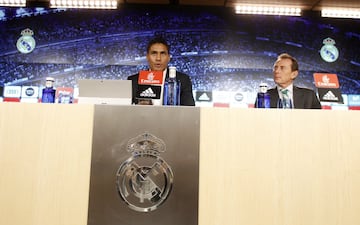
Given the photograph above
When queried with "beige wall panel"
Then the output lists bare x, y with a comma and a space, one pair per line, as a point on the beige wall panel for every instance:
45, 152
273, 167
279, 167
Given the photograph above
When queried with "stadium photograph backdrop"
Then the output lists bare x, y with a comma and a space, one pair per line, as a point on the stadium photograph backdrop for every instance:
226, 55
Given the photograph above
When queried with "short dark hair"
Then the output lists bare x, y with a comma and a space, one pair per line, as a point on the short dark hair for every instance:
294, 64
157, 40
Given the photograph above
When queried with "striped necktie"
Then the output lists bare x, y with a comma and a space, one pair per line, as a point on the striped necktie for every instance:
286, 100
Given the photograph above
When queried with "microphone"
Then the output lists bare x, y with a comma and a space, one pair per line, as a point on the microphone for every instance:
149, 86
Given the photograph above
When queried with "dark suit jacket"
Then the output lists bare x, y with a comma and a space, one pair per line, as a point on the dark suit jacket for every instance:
303, 98
186, 95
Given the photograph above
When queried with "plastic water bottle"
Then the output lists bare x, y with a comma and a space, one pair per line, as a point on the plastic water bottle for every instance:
48, 93
172, 88
263, 97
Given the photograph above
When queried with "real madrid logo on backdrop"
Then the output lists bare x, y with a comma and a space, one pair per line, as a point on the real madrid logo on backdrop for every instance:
144, 180
26, 43
329, 52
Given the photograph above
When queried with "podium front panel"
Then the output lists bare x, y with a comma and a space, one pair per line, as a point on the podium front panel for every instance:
145, 166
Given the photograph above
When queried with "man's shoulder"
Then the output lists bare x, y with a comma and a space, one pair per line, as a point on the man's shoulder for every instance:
273, 89
178, 73
133, 77
303, 89
181, 75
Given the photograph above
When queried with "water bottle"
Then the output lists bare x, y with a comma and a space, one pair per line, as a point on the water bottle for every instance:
48, 93
172, 88
263, 97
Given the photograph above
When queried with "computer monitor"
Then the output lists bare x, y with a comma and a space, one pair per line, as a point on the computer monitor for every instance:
111, 92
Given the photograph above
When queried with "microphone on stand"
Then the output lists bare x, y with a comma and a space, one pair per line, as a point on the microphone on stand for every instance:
149, 87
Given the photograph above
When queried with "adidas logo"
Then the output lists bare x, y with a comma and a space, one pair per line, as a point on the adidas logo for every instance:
204, 97
149, 93
330, 96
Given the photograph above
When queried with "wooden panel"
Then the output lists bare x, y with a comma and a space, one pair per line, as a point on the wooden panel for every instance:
279, 167
273, 167
44, 163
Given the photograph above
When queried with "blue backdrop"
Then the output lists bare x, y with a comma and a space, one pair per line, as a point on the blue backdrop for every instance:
219, 50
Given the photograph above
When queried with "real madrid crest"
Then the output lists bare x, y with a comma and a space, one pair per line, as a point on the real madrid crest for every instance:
329, 52
26, 43
144, 181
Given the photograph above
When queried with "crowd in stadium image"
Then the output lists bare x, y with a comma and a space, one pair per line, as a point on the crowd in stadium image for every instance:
220, 52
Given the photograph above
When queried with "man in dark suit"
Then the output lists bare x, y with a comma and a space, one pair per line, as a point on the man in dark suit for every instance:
285, 71
158, 57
